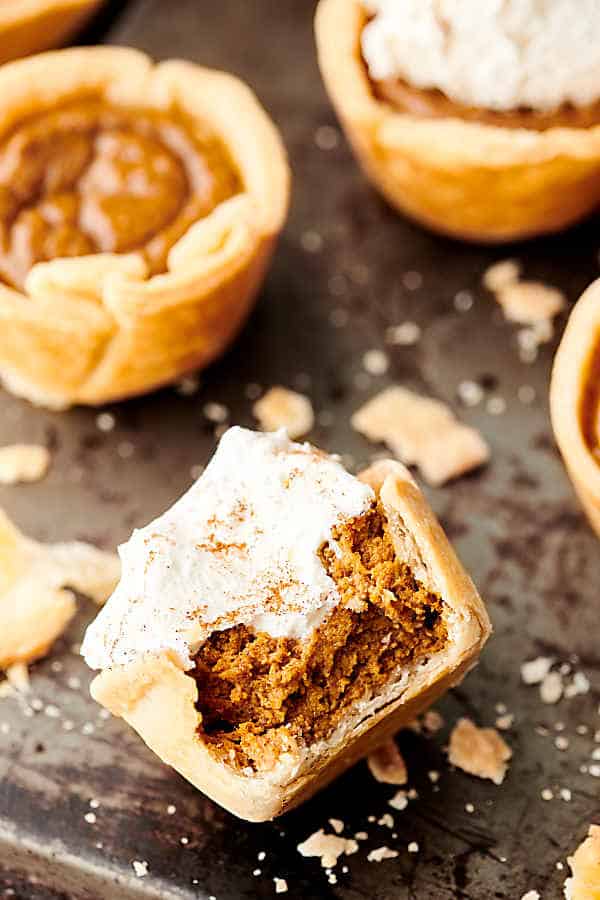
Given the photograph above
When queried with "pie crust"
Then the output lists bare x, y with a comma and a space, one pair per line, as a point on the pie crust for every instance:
158, 699
463, 178
29, 26
128, 332
573, 367
36, 600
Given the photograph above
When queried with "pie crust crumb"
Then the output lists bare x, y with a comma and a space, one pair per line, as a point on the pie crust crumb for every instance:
479, 751
530, 302
501, 274
387, 765
525, 302
17, 676
283, 408
329, 847
422, 431
23, 463
584, 883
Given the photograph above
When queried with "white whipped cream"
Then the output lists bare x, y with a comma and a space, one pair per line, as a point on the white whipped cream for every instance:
240, 547
496, 54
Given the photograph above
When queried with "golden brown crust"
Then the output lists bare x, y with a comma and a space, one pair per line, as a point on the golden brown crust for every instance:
30, 26
572, 365
159, 700
467, 179
36, 604
128, 332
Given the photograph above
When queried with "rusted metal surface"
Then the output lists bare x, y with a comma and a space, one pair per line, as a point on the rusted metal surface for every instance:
516, 525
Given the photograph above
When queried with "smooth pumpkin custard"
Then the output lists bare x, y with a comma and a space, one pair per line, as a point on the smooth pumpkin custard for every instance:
257, 692
90, 178
281, 620
434, 104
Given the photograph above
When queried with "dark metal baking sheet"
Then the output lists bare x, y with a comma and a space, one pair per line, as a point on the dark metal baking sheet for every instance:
516, 525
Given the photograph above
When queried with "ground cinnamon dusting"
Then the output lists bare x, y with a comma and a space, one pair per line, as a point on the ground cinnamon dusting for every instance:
259, 696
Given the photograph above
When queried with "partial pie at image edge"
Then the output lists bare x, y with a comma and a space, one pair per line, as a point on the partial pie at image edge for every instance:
574, 400
31, 26
462, 178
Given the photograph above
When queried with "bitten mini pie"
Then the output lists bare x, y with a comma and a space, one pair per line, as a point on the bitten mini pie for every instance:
28, 26
281, 620
575, 400
139, 206
479, 120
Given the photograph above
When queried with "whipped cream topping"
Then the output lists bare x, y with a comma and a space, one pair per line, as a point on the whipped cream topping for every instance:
495, 54
240, 547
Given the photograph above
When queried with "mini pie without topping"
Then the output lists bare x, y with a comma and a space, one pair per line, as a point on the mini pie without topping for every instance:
29, 26
458, 170
574, 396
139, 207
298, 663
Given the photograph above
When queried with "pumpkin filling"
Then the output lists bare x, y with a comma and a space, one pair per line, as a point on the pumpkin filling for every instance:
89, 178
434, 104
261, 696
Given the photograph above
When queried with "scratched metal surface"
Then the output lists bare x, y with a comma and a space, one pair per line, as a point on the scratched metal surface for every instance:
516, 525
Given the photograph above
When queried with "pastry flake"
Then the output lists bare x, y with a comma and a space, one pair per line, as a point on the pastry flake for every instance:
479, 751
327, 847
584, 883
472, 172
423, 432
36, 603
282, 408
163, 189
276, 574
386, 764
23, 462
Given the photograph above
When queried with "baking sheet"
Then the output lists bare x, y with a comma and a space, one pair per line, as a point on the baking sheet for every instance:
344, 272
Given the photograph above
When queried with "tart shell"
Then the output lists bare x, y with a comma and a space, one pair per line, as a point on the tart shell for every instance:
572, 366
128, 333
30, 26
157, 698
469, 180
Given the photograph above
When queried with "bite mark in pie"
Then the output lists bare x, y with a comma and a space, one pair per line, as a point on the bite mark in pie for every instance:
281, 621
139, 207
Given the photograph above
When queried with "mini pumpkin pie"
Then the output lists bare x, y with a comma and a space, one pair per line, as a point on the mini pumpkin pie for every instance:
575, 400
28, 26
139, 207
481, 120
281, 621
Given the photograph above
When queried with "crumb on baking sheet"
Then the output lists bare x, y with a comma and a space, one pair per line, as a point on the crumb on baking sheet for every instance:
501, 274
422, 431
530, 303
479, 751
327, 847
260, 695
283, 408
584, 882
23, 463
381, 853
387, 765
